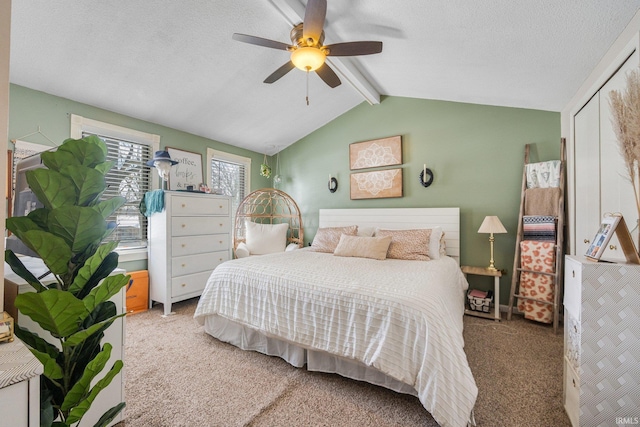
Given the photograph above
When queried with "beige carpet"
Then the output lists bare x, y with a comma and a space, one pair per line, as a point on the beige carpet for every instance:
177, 375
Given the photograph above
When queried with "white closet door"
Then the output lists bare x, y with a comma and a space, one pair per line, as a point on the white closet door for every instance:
587, 170
616, 189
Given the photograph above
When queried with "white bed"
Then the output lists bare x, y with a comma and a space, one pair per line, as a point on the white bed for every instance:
393, 323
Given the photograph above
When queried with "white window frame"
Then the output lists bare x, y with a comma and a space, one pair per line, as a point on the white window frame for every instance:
81, 124
232, 158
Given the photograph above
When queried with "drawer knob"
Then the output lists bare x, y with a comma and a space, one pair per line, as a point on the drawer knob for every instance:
184, 265
183, 285
586, 241
575, 328
184, 205
184, 245
220, 259
220, 241
184, 225
220, 224
613, 247
574, 382
220, 206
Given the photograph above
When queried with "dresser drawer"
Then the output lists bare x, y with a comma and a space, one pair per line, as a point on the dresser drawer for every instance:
190, 284
197, 225
571, 394
185, 206
573, 287
190, 245
190, 264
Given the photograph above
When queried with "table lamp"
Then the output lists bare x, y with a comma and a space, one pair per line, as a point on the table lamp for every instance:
491, 225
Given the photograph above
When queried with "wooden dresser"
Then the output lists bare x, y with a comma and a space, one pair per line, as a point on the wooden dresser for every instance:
602, 343
187, 240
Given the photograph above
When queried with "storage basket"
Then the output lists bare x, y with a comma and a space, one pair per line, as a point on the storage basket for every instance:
138, 292
480, 304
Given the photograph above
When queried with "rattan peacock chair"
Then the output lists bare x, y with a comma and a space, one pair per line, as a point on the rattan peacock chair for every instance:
269, 206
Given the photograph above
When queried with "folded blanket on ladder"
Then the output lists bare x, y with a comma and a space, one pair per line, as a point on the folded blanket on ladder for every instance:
539, 227
537, 256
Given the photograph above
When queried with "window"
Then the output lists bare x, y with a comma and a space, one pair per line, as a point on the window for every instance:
129, 177
229, 174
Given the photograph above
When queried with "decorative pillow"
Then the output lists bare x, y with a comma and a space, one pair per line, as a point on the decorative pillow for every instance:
266, 238
363, 247
242, 251
326, 239
434, 242
291, 247
443, 245
408, 244
366, 231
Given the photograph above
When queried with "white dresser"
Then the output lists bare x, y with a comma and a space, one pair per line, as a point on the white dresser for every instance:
187, 240
602, 342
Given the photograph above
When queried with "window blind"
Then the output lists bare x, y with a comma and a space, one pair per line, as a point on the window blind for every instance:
228, 178
130, 178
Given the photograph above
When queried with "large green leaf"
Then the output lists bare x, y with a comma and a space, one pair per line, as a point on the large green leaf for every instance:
78, 412
89, 151
57, 312
51, 368
89, 183
47, 413
91, 265
108, 416
80, 336
18, 267
53, 250
103, 292
53, 189
81, 388
79, 226
56, 160
105, 167
108, 207
106, 267
36, 342
19, 225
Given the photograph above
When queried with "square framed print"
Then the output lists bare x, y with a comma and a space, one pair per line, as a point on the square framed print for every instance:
188, 171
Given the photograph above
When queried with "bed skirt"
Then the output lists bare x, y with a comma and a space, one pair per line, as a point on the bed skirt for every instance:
246, 338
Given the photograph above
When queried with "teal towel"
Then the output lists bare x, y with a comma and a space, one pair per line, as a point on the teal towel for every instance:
152, 202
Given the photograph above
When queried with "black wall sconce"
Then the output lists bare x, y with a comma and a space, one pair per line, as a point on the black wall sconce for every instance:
426, 176
333, 184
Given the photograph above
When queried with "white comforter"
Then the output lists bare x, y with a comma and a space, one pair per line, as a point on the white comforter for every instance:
402, 317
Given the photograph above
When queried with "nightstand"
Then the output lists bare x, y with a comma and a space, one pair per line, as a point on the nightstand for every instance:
496, 274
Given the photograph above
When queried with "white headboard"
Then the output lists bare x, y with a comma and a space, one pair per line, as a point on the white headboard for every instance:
400, 218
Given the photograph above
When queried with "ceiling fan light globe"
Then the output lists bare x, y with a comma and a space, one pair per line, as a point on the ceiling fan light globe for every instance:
308, 58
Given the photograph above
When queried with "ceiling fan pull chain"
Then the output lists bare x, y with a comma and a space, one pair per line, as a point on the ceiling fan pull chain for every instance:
307, 87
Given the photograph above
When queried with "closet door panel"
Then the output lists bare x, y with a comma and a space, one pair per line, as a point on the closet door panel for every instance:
587, 170
616, 189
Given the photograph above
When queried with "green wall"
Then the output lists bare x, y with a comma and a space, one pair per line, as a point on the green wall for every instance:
30, 109
475, 151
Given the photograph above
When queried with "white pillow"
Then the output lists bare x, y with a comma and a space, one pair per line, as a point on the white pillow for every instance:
266, 238
291, 247
366, 231
434, 242
242, 251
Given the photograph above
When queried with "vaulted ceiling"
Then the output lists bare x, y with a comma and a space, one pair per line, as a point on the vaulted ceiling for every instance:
174, 62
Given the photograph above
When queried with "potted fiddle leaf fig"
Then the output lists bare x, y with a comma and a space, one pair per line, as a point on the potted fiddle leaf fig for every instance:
67, 233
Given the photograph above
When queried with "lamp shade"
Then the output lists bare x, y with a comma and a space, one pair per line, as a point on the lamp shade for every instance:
491, 224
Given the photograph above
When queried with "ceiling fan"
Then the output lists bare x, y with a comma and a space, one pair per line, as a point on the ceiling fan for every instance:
307, 50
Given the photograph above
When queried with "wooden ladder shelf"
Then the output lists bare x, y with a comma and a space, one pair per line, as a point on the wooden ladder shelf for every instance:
557, 274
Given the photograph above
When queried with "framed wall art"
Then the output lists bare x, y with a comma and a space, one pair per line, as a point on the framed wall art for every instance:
376, 153
188, 171
376, 184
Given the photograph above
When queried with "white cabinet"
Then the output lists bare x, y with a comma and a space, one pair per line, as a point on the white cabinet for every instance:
187, 240
115, 335
601, 179
602, 344
19, 385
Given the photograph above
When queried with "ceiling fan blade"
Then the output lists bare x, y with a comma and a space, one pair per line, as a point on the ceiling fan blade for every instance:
354, 48
313, 22
328, 76
260, 41
280, 72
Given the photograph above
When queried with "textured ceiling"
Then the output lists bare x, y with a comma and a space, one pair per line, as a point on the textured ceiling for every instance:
174, 62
